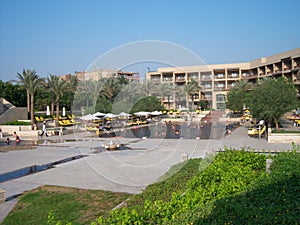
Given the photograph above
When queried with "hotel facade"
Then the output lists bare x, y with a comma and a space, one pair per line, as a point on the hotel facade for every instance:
216, 80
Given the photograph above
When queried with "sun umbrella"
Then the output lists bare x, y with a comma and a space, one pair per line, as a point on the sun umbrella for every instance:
123, 114
48, 111
99, 114
110, 115
142, 113
64, 111
89, 117
155, 113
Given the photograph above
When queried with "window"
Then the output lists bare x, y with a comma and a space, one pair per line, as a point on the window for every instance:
220, 98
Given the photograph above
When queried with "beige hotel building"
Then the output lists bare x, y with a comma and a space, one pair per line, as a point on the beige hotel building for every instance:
217, 79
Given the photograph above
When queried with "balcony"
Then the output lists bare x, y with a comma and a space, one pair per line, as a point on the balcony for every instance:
179, 79
219, 87
249, 76
167, 79
219, 76
233, 75
206, 87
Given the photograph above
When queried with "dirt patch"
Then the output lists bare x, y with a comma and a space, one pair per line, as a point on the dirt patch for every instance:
16, 148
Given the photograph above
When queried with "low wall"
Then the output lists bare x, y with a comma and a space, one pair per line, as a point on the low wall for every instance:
23, 131
283, 138
14, 128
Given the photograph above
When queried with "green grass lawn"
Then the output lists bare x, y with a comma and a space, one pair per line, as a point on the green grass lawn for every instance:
67, 204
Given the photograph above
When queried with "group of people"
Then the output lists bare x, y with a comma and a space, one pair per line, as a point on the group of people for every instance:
15, 136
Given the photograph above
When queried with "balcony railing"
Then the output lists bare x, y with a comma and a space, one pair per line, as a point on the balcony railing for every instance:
233, 75
180, 79
219, 76
220, 88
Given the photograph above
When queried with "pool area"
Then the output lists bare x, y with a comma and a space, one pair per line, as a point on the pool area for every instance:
169, 130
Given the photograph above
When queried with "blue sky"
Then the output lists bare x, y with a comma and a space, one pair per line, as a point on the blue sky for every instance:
63, 36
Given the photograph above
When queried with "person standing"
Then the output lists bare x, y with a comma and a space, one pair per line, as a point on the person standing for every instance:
1, 135
44, 129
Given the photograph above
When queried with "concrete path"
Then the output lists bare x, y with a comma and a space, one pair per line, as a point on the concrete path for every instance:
122, 171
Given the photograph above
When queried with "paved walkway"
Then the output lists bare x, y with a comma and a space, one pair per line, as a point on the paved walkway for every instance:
123, 171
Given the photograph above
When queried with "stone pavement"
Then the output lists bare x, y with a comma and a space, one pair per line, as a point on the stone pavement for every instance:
128, 170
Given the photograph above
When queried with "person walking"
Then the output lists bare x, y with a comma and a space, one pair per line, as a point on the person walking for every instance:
44, 129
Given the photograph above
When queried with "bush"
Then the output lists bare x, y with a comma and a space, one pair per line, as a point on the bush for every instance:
18, 123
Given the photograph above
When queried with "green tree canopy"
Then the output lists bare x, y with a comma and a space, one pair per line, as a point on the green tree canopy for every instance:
237, 96
270, 99
14, 93
148, 104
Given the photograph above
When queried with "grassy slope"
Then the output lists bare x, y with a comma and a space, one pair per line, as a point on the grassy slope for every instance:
174, 180
68, 204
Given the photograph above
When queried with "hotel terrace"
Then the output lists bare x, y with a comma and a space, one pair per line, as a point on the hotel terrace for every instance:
217, 79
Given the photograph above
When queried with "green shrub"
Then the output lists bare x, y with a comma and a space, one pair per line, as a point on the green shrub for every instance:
273, 199
18, 123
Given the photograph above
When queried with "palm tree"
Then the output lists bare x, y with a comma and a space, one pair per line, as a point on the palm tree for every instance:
51, 80
179, 95
110, 88
58, 88
164, 89
82, 96
148, 87
31, 82
129, 92
243, 85
264, 80
24, 79
123, 80
34, 84
189, 89
72, 87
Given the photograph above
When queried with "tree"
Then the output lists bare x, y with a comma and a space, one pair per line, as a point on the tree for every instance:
72, 87
58, 88
190, 89
164, 89
122, 80
237, 96
111, 88
51, 81
14, 93
127, 96
148, 87
34, 84
148, 104
272, 98
25, 78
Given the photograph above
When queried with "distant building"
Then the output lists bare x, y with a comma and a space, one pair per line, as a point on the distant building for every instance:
106, 73
66, 77
217, 79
